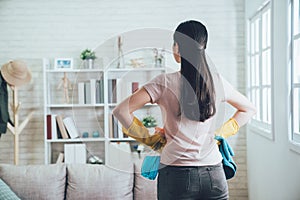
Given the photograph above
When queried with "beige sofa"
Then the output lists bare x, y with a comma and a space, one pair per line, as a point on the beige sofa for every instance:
71, 182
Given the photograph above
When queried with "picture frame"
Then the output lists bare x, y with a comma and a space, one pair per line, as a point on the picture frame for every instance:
63, 63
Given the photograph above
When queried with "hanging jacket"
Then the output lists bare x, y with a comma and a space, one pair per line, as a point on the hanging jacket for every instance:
226, 151
4, 115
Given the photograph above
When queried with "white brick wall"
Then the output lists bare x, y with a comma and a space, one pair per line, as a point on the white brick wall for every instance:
31, 30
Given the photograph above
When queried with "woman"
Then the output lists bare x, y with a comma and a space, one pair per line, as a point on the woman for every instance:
189, 100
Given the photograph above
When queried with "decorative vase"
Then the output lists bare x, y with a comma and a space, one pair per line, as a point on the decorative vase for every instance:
96, 134
88, 63
85, 134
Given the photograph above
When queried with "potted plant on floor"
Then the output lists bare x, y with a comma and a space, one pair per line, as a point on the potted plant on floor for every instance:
88, 56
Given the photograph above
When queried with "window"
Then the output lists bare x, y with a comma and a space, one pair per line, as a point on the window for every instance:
260, 70
295, 70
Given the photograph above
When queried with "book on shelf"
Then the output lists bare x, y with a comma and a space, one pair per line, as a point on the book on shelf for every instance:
81, 93
93, 91
124, 88
51, 127
80, 153
99, 91
75, 153
120, 90
69, 153
71, 127
115, 128
54, 127
87, 92
110, 126
60, 158
134, 87
62, 128
112, 90
58, 134
124, 135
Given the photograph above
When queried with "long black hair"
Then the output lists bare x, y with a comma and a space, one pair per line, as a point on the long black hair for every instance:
197, 93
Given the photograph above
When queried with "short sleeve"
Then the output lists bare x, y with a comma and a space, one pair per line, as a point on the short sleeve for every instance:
155, 87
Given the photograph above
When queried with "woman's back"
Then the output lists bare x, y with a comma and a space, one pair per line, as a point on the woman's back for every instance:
189, 142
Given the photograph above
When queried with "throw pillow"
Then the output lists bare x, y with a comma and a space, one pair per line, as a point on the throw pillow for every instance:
6, 193
98, 182
36, 182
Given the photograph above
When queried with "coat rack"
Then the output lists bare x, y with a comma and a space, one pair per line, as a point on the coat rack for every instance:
18, 127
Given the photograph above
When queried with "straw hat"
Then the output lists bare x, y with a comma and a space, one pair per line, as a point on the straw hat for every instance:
16, 73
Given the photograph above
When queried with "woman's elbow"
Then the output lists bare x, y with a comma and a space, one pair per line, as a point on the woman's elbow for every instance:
116, 112
253, 110
123, 117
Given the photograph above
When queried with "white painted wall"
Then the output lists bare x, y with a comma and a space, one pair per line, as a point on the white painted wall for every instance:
273, 169
31, 30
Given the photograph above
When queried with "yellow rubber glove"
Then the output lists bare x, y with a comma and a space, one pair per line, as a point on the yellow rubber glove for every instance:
139, 132
229, 128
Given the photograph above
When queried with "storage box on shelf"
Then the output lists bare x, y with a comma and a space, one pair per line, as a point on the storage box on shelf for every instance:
92, 96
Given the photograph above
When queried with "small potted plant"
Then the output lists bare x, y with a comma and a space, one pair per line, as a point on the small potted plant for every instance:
150, 123
88, 56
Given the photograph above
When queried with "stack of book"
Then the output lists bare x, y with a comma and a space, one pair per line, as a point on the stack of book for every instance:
119, 89
61, 128
115, 128
91, 92
73, 153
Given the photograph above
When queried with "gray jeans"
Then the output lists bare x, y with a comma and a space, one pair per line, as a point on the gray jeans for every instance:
185, 182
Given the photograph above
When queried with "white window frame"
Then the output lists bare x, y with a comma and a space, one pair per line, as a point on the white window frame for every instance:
294, 137
257, 124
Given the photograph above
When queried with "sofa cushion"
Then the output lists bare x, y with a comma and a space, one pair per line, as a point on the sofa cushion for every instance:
143, 187
98, 182
6, 193
35, 181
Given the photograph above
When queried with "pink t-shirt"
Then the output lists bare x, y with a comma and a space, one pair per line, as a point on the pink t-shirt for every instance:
189, 143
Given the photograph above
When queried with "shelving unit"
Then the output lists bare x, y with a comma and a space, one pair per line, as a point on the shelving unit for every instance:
92, 117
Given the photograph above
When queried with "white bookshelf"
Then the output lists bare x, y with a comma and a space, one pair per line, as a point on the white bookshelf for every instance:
74, 105
76, 140
91, 117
